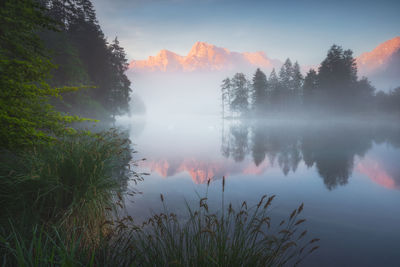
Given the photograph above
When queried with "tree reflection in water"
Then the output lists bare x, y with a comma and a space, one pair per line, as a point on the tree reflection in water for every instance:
331, 148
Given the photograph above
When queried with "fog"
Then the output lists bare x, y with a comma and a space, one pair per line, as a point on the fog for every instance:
177, 94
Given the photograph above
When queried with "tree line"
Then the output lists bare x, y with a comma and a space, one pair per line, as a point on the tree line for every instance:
84, 56
334, 87
56, 64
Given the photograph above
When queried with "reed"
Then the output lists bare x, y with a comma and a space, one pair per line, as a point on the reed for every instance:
70, 183
241, 236
59, 207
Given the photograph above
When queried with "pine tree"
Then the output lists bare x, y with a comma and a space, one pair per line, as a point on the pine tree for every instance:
310, 88
260, 92
85, 57
286, 75
285, 95
240, 94
225, 95
274, 88
96, 57
337, 77
87, 9
118, 96
297, 83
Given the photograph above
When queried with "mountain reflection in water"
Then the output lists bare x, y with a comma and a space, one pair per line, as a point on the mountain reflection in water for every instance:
334, 150
347, 174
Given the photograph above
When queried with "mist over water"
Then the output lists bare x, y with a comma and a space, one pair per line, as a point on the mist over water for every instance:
345, 171
193, 93
328, 140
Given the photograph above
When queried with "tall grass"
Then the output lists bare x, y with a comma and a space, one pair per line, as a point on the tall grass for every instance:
45, 247
71, 183
243, 236
59, 205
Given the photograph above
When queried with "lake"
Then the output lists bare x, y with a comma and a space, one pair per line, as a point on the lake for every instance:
346, 173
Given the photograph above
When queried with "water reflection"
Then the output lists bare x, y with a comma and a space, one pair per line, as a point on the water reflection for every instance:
331, 148
347, 175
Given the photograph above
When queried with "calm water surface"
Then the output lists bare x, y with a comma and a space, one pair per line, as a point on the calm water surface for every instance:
346, 173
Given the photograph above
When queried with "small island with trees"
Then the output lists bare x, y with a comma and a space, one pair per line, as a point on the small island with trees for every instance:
333, 90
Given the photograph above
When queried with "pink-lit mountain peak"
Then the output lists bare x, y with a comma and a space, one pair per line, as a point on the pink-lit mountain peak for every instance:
208, 57
377, 58
204, 57
202, 49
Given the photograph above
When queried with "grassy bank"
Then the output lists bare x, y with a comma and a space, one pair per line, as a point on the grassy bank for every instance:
59, 208
65, 189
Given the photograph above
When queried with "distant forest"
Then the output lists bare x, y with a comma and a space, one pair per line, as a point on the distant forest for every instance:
334, 89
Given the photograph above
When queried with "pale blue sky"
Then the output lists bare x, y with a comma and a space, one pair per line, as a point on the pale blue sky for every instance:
300, 29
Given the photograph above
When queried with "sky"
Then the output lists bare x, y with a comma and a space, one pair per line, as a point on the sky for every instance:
300, 29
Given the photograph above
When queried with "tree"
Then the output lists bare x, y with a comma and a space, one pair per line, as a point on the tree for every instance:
240, 94
364, 93
274, 88
285, 96
260, 92
225, 94
84, 56
25, 113
118, 97
310, 88
337, 77
286, 75
297, 84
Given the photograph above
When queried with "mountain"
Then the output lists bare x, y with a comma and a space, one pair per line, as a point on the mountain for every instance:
379, 58
382, 64
203, 57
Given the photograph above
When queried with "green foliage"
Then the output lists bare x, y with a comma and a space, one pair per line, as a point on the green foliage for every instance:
83, 56
25, 113
70, 182
41, 248
105, 64
70, 69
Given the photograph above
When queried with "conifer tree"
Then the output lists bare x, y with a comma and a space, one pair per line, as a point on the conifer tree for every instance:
310, 88
337, 77
240, 94
225, 95
119, 91
274, 88
286, 75
296, 86
260, 92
